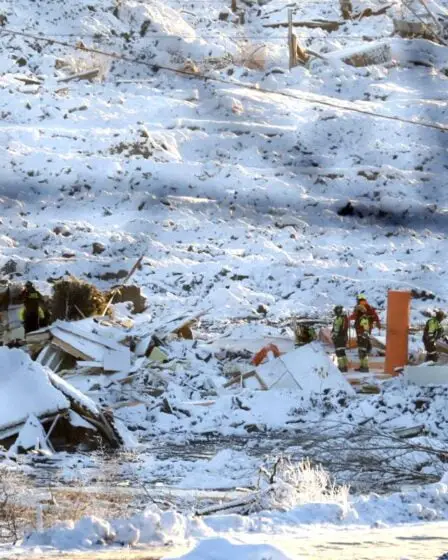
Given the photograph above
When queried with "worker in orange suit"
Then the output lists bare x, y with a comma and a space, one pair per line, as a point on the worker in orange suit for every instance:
363, 328
370, 311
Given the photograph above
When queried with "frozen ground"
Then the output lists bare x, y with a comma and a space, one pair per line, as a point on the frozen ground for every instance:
238, 198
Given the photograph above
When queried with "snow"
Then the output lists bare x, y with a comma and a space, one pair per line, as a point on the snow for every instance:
221, 534
31, 436
73, 394
235, 196
223, 549
25, 389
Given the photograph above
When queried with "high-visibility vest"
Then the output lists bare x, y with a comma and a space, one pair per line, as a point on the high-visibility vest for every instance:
433, 328
340, 325
22, 313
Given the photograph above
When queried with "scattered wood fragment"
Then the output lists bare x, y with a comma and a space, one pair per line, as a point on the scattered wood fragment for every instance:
368, 12
128, 277
246, 502
346, 8
29, 81
88, 75
413, 431
368, 55
238, 379
314, 24
101, 420
410, 29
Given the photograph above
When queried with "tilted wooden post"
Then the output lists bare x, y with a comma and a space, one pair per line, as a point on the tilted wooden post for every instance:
233, 6
292, 42
346, 8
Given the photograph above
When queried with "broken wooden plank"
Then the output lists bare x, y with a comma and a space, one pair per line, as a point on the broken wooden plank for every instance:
241, 377
413, 431
90, 364
128, 277
87, 75
368, 12
29, 81
88, 410
314, 24
77, 331
346, 8
38, 337
70, 349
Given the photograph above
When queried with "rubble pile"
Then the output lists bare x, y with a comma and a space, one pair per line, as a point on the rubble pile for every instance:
34, 400
165, 376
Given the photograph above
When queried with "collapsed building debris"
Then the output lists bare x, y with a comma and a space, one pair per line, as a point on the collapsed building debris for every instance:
33, 401
307, 369
83, 342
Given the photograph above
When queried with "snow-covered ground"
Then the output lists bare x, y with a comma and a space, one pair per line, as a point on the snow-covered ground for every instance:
238, 198
222, 536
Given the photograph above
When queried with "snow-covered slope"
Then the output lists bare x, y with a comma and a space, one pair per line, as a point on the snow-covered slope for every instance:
233, 195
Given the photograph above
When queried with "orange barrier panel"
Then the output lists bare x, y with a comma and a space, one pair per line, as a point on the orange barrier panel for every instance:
398, 311
261, 355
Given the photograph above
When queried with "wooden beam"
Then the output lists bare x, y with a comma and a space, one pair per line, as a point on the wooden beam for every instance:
71, 350
88, 75
314, 24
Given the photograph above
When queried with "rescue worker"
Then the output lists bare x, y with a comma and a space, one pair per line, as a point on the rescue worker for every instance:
33, 313
433, 331
339, 335
304, 334
362, 327
372, 315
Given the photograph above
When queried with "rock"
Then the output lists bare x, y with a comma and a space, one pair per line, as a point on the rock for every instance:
118, 275
10, 267
133, 294
255, 428
98, 248
347, 210
62, 230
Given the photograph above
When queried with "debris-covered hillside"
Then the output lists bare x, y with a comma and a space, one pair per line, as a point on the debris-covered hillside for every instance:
175, 132
237, 197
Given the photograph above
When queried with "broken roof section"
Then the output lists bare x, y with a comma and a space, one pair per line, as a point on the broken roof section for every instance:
307, 369
86, 341
25, 389
30, 395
